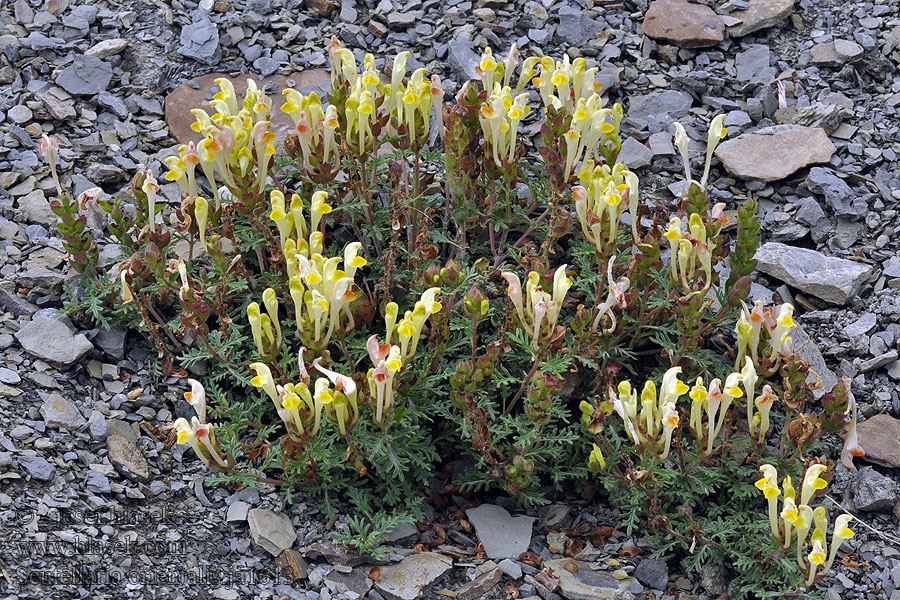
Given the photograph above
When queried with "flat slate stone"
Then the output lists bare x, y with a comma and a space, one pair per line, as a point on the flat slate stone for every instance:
773, 153
586, 584
273, 531
407, 579
808, 350
761, 14
50, 339
659, 104
86, 76
832, 279
185, 97
199, 40
127, 458
502, 535
683, 23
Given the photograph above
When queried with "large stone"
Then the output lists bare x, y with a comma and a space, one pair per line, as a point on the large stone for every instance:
86, 76
200, 40
818, 370
462, 58
880, 438
775, 152
660, 105
126, 457
653, 573
585, 583
575, 27
834, 280
37, 467
409, 578
752, 65
51, 340
874, 492
761, 14
273, 531
683, 23
37, 208
836, 191
502, 535
634, 154
59, 413
192, 94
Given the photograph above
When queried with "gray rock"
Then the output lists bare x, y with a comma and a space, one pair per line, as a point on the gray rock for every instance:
653, 573
399, 533
811, 214
753, 65
714, 578
37, 208
634, 154
59, 413
848, 51
661, 144
502, 535
575, 27
587, 584
97, 483
660, 104
775, 152
837, 193
113, 103
86, 76
19, 114
349, 14
511, 568
462, 58
861, 327
51, 340
9, 376
37, 467
199, 40
237, 512
808, 350
409, 578
98, 426
874, 492
107, 48
272, 531
112, 342
126, 457
834, 280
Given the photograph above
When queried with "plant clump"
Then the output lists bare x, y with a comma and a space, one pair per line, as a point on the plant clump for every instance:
370, 306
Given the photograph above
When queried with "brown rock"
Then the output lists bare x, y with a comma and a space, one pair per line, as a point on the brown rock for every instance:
293, 565
481, 585
761, 14
683, 23
321, 8
184, 98
127, 458
880, 438
61, 110
824, 55
775, 152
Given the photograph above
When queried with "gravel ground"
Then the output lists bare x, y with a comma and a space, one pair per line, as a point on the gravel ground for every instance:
93, 506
